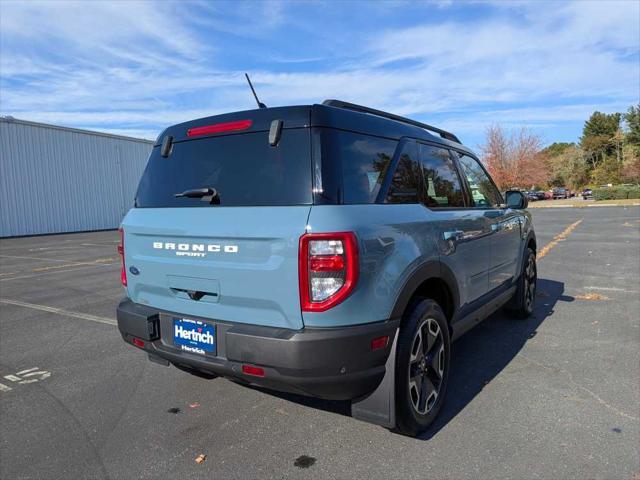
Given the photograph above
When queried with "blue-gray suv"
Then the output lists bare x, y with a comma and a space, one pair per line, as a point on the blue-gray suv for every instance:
329, 250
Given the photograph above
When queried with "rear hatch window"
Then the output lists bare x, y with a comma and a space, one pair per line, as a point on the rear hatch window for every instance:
243, 168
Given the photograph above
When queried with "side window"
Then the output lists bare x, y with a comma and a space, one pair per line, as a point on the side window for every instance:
442, 187
365, 161
348, 167
405, 183
483, 191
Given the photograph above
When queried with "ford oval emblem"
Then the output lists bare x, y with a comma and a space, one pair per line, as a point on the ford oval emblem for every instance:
134, 270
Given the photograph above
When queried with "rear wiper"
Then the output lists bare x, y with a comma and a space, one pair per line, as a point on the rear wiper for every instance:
206, 194
197, 193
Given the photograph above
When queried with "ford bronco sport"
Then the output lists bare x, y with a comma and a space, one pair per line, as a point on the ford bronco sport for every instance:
329, 250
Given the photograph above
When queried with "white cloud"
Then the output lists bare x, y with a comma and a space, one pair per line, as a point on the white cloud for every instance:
87, 31
139, 66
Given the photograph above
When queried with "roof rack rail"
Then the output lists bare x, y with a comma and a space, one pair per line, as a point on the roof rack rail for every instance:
380, 113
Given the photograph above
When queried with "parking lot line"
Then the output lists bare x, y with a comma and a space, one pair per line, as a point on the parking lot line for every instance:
98, 261
65, 263
110, 244
558, 238
50, 272
60, 311
577, 384
35, 258
614, 205
611, 289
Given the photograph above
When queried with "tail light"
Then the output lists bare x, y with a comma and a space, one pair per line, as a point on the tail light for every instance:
253, 370
328, 269
123, 271
379, 343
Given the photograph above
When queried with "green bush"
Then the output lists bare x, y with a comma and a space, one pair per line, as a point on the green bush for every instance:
618, 192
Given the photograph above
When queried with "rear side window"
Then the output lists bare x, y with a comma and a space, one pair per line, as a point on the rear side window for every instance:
483, 191
441, 184
351, 166
244, 169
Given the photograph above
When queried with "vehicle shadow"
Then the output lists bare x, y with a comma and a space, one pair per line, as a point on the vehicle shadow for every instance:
483, 352
477, 357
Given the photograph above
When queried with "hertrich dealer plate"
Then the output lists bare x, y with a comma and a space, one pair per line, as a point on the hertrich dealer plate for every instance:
194, 336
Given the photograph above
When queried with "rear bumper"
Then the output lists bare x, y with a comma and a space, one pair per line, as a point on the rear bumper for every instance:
331, 363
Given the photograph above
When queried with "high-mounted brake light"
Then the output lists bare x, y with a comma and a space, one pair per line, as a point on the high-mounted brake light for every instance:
219, 128
327, 269
123, 271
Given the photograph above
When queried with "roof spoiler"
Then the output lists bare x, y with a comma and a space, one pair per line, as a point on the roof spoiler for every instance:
398, 118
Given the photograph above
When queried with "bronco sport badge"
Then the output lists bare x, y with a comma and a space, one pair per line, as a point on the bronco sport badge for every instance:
195, 249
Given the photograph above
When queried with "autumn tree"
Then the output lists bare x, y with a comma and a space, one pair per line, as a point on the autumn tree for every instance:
608, 152
513, 159
630, 172
496, 156
531, 170
566, 165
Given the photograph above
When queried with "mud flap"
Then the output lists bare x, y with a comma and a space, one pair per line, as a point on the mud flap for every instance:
379, 406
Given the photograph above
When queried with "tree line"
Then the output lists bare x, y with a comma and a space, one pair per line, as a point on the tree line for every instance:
608, 152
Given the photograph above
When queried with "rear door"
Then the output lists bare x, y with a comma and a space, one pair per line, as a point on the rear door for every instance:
459, 235
233, 257
464, 233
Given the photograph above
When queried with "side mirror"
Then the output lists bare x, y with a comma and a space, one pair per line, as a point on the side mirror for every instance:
516, 200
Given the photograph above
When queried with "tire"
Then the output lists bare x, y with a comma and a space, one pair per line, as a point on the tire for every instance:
523, 302
422, 368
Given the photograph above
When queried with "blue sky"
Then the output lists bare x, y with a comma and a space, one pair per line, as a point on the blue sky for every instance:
135, 67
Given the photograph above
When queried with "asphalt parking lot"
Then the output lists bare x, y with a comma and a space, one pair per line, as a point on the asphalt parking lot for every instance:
556, 396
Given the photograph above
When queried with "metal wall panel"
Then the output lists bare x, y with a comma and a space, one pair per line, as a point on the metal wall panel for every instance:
55, 179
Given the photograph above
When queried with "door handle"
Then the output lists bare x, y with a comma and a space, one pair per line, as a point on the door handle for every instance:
453, 235
451, 240
197, 295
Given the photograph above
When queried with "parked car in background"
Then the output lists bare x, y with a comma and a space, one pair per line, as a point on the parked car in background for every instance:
559, 192
541, 195
532, 196
587, 194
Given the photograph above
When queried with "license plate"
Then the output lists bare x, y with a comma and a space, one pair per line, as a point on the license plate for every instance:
194, 336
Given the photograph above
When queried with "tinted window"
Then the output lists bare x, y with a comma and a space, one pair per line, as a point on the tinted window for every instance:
350, 168
244, 169
405, 183
441, 184
483, 191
